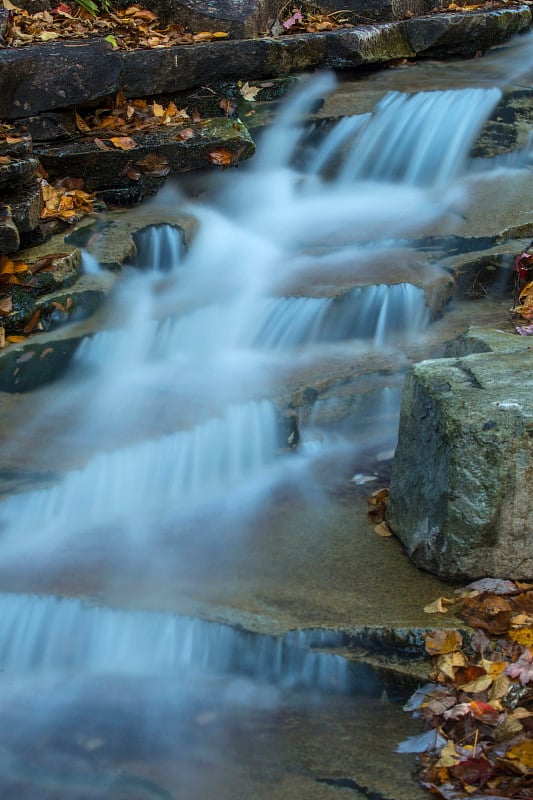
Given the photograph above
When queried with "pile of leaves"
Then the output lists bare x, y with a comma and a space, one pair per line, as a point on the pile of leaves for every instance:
479, 707
126, 117
523, 309
65, 200
127, 29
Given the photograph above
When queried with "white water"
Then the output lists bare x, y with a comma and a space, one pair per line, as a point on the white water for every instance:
179, 403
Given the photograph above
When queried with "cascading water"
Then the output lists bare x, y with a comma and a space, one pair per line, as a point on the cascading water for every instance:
181, 405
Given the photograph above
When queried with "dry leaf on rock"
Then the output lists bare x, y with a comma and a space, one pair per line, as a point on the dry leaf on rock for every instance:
443, 641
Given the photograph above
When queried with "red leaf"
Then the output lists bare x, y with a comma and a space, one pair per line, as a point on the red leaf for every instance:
473, 771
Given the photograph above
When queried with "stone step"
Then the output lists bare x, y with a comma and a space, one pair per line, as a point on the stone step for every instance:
106, 169
31, 82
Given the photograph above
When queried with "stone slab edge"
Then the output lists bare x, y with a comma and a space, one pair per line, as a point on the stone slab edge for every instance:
33, 79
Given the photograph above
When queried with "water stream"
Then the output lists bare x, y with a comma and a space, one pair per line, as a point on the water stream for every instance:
180, 418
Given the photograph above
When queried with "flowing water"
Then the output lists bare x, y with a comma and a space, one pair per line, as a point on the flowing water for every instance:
179, 441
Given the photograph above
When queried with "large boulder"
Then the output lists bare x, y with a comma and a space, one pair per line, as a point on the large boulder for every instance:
461, 498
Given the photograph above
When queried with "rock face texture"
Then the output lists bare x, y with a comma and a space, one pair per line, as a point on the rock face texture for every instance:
461, 499
32, 78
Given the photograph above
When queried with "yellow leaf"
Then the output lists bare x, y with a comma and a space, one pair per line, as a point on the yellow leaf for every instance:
522, 752
220, 35
438, 606
158, 110
15, 339
48, 36
383, 530
81, 125
478, 684
449, 662
522, 635
448, 756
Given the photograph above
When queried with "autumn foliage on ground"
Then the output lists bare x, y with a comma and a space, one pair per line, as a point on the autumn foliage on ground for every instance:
478, 710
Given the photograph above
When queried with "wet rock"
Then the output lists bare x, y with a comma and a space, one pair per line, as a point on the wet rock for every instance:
155, 155
4, 22
26, 206
21, 148
32, 79
239, 18
49, 127
460, 496
112, 240
9, 235
486, 340
464, 34
17, 171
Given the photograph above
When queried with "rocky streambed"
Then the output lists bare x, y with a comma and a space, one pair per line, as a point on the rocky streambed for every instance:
236, 611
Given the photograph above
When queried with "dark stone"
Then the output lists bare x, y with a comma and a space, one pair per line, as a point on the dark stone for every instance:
4, 23
105, 169
56, 75
9, 235
26, 206
239, 18
50, 126
33, 6
18, 171
465, 34
370, 11
19, 149
27, 366
32, 79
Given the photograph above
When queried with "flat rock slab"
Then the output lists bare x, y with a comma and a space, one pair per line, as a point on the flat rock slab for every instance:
154, 155
461, 485
32, 78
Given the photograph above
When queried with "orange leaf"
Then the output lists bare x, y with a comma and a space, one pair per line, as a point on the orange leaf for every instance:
184, 135
123, 142
32, 324
221, 157
2, 337
81, 125
443, 641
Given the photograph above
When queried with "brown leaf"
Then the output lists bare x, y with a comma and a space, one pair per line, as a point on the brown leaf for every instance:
228, 106
185, 135
439, 606
6, 306
2, 337
101, 145
130, 172
153, 164
443, 641
196, 116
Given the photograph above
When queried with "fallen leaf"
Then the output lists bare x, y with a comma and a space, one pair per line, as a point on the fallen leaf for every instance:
296, 17
228, 106
32, 324
153, 164
523, 668
2, 337
123, 142
101, 145
443, 641
383, 530
438, 606
250, 92
185, 135
6, 306
522, 752
478, 684
221, 157
473, 771
430, 740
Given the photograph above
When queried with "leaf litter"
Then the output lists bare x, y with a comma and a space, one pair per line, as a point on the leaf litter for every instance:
478, 709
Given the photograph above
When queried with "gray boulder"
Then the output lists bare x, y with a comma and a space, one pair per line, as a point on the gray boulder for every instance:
461, 499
